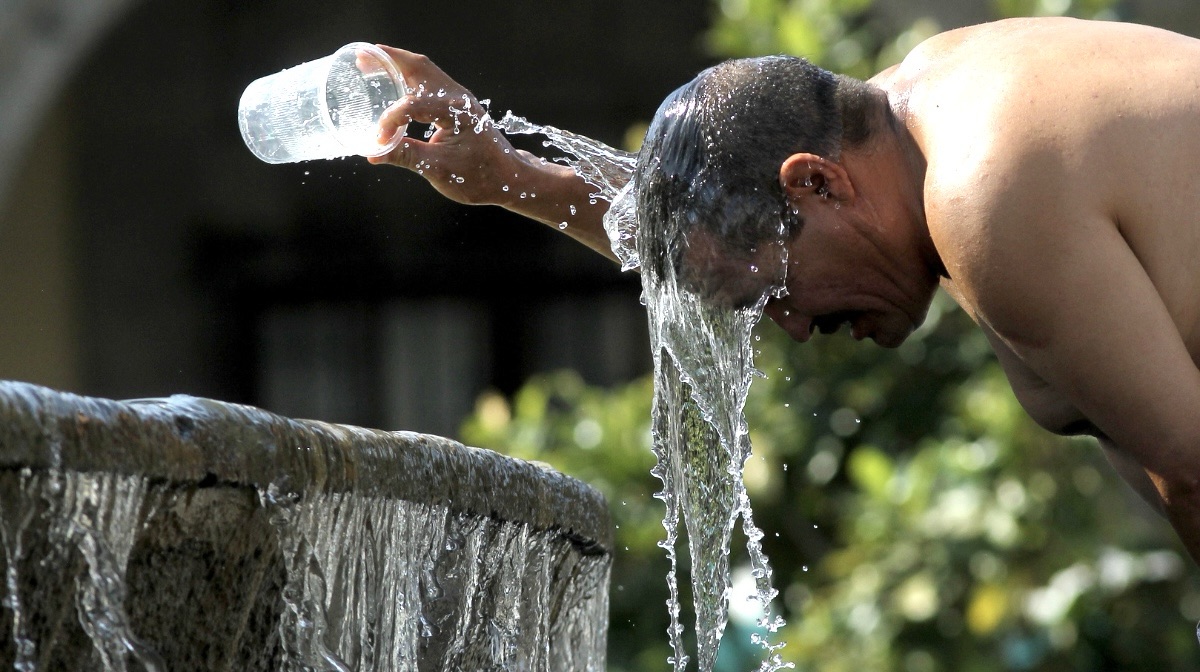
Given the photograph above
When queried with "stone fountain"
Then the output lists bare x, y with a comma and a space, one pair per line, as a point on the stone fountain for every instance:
190, 534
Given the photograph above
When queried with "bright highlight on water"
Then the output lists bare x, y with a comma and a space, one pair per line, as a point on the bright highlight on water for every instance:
187, 534
703, 359
703, 367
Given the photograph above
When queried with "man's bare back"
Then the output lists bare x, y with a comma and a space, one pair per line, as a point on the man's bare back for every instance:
1063, 195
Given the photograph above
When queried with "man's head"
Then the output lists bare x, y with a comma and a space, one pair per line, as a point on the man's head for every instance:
708, 178
772, 176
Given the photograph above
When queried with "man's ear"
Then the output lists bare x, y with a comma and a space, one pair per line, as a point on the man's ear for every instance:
803, 174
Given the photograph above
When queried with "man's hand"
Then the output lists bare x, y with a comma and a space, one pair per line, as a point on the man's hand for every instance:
470, 161
466, 159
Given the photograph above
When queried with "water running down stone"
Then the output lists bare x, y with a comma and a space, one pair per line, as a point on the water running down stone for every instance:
187, 534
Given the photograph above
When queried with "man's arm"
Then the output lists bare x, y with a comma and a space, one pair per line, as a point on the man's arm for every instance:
1133, 474
1065, 292
1055, 414
469, 161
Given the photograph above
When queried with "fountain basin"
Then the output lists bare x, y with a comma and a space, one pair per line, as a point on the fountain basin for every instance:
186, 533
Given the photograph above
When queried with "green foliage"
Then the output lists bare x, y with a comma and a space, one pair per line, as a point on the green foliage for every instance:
1088, 9
951, 532
845, 36
916, 519
601, 437
848, 36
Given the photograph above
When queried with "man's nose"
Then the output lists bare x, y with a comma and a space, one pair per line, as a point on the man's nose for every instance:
797, 326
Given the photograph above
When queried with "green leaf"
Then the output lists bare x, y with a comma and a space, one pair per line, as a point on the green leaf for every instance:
871, 471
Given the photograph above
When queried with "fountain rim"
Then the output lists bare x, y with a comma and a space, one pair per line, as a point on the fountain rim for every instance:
204, 442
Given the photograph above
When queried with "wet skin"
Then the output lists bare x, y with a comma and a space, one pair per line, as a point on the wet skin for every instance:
1041, 171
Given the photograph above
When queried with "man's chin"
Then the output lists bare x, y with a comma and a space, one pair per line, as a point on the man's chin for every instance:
890, 338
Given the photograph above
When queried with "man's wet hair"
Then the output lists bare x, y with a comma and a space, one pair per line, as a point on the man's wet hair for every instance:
710, 160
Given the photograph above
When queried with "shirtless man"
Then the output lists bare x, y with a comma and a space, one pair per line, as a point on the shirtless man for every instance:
1044, 172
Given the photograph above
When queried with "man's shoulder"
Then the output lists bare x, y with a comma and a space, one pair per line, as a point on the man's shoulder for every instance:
998, 215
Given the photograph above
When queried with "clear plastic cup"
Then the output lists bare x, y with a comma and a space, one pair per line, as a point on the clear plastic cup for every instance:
322, 109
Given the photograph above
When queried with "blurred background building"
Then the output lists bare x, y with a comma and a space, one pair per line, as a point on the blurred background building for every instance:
144, 251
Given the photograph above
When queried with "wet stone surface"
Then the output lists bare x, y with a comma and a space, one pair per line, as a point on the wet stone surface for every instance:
192, 534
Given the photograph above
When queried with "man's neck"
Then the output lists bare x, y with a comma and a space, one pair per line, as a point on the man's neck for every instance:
892, 168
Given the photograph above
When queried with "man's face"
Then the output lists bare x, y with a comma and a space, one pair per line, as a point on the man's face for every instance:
732, 278
827, 285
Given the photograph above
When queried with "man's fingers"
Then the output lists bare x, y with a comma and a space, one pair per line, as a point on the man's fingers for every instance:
407, 154
417, 68
366, 61
433, 97
444, 111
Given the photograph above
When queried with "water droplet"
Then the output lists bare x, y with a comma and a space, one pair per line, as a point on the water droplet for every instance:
572, 209
562, 225
459, 180
505, 187
523, 194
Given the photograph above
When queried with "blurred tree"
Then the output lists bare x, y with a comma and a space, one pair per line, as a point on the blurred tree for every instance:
917, 520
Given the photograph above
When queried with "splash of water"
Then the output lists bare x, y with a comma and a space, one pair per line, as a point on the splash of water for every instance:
190, 534
368, 582
86, 517
601, 166
703, 372
605, 168
703, 368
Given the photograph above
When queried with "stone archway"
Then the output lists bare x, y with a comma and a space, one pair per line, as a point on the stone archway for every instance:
40, 43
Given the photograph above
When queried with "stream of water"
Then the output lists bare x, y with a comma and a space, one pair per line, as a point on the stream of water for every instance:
703, 368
